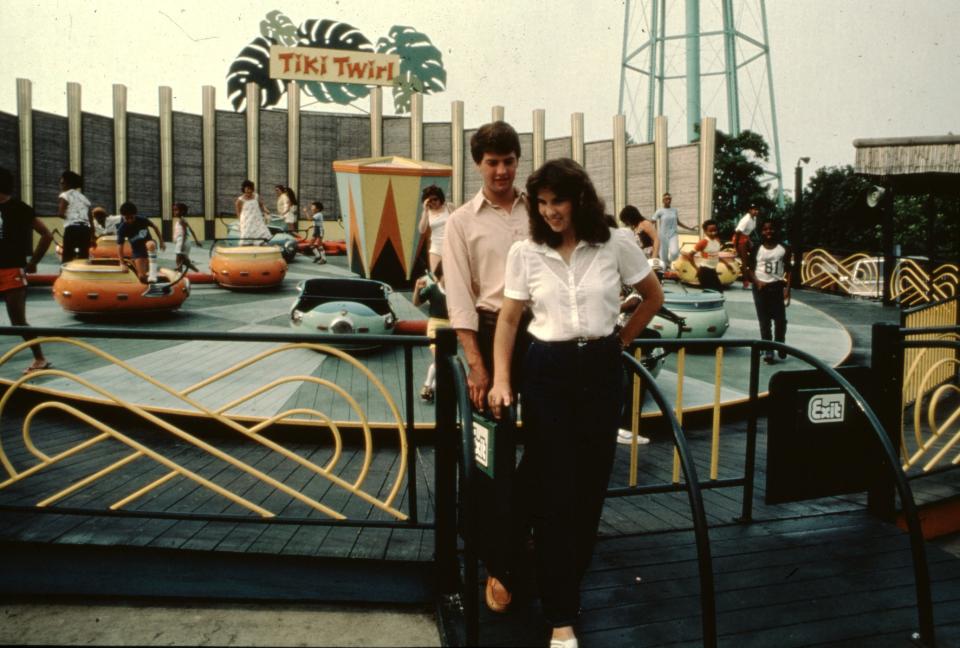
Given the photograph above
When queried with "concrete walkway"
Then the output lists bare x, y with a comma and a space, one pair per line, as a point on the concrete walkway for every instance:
124, 623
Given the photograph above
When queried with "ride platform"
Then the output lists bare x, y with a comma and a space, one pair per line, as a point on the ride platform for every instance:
819, 572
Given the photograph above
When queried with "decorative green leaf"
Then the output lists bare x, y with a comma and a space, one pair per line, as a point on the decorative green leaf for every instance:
421, 64
253, 65
331, 34
278, 28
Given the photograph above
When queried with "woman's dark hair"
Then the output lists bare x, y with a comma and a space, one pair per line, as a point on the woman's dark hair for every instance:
247, 183
496, 137
72, 180
433, 191
631, 216
291, 195
181, 207
569, 181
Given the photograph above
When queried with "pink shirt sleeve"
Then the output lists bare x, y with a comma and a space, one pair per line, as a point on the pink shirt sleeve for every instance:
461, 299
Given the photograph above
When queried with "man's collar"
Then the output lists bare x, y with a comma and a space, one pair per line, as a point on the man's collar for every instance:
480, 199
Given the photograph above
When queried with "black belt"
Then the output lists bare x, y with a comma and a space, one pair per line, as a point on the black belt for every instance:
489, 318
579, 343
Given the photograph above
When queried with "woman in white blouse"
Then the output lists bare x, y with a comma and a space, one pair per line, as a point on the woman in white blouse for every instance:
569, 273
434, 218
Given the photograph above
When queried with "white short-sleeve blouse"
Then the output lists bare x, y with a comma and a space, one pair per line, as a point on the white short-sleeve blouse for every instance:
576, 300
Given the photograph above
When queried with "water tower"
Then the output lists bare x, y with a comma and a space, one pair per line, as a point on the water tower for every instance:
685, 61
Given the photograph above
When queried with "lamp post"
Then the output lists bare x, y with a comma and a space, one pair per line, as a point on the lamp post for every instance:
796, 231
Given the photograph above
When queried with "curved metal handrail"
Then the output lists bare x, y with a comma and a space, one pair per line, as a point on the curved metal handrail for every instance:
910, 513
708, 600
467, 523
708, 604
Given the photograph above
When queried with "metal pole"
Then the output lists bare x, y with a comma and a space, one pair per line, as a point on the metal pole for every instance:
730, 65
662, 74
623, 56
445, 536
889, 260
652, 88
750, 459
886, 364
796, 229
693, 68
411, 436
773, 105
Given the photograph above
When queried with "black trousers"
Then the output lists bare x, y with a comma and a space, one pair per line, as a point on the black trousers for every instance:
572, 398
771, 310
503, 538
709, 278
76, 243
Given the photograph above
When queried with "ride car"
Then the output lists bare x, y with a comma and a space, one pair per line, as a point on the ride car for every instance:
344, 306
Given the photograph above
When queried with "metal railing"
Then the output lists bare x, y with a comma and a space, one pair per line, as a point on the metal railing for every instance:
452, 428
929, 358
860, 274
693, 487
221, 417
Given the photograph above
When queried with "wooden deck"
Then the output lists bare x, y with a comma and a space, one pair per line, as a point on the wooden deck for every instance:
834, 580
819, 572
809, 573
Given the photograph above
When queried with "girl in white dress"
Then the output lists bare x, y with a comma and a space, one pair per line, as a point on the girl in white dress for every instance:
250, 213
287, 207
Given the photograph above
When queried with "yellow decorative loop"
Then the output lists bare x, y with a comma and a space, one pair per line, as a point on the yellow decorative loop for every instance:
218, 415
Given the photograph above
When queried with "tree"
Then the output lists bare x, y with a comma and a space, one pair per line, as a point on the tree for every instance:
835, 215
737, 174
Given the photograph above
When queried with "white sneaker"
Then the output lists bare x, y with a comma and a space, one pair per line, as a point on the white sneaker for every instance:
626, 437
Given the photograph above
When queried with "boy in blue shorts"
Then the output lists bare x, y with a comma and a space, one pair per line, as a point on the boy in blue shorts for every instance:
136, 230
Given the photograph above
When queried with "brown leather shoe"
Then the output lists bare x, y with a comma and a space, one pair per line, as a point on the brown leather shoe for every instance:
498, 597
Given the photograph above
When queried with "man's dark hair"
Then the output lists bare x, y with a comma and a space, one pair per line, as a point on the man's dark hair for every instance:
433, 191
128, 209
181, 207
568, 181
318, 205
497, 137
708, 223
631, 216
6, 181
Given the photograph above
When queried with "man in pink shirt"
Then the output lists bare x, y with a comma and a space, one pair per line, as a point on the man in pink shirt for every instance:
478, 236
477, 239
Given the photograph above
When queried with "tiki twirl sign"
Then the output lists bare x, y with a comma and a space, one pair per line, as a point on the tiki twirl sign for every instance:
333, 65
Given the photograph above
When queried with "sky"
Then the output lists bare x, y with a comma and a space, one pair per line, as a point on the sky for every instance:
842, 69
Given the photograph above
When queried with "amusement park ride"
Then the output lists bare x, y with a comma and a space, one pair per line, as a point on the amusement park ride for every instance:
108, 284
